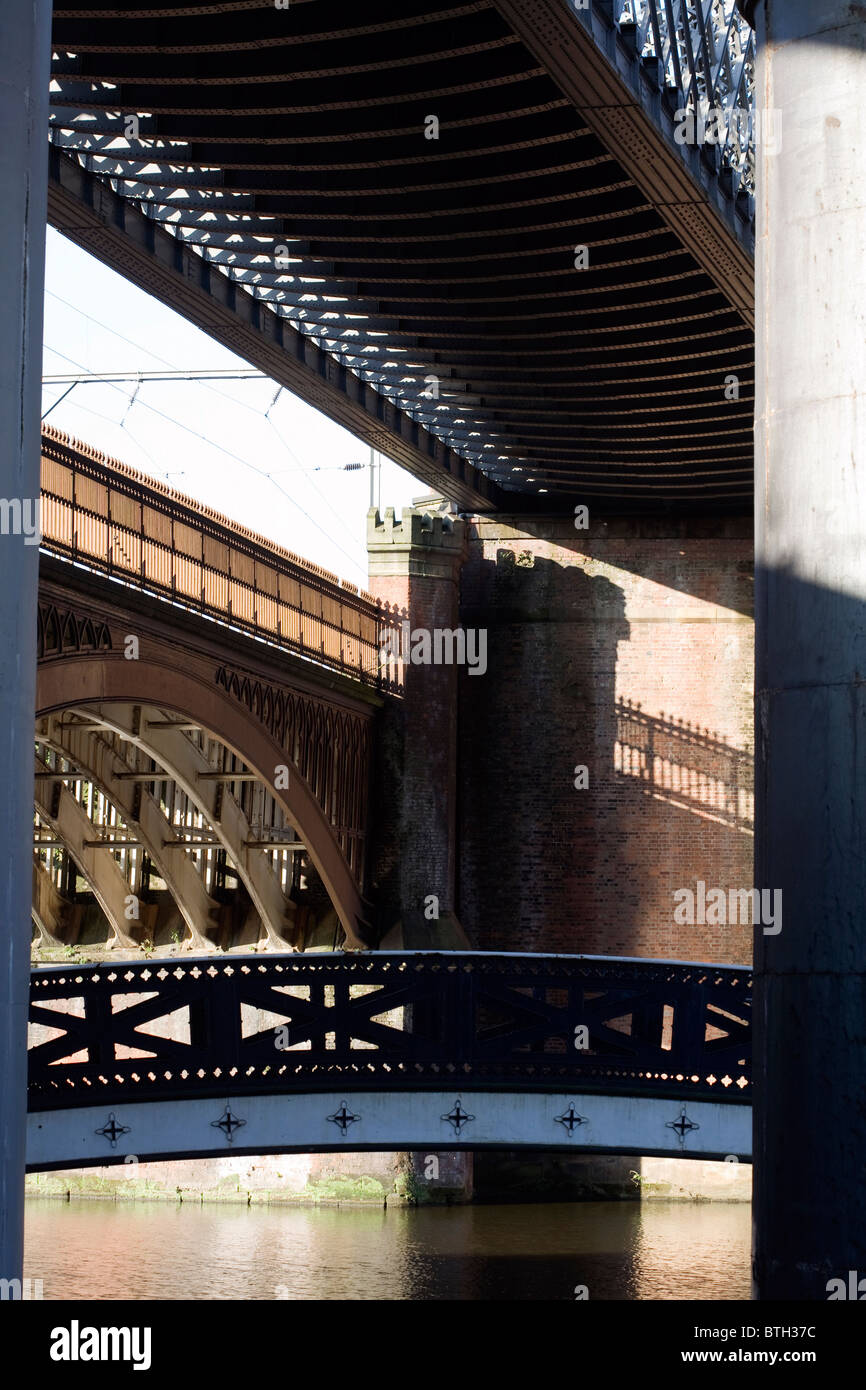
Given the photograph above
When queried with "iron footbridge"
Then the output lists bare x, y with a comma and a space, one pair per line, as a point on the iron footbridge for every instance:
317, 1052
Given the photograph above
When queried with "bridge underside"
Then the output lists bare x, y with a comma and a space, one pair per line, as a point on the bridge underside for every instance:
466, 234
374, 1121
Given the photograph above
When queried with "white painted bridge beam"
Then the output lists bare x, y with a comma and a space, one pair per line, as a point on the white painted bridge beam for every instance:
322, 1122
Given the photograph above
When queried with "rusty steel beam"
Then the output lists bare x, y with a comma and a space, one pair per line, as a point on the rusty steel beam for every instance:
227, 572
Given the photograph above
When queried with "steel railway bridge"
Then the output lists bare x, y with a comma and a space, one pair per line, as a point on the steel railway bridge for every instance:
466, 232
155, 764
470, 235
205, 714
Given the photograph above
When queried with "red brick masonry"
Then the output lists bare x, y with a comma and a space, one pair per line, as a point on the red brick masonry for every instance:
626, 648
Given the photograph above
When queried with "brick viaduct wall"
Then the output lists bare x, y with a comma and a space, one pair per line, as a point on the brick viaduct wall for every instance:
415, 565
584, 627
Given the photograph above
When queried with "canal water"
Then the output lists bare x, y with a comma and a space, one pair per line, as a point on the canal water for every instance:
614, 1250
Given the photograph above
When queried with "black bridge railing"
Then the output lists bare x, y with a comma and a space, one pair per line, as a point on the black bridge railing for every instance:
174, 1029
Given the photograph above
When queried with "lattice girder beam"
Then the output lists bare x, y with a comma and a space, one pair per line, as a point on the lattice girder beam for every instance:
567, 43
97, 218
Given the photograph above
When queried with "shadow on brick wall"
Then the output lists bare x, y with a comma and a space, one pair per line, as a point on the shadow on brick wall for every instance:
545, 865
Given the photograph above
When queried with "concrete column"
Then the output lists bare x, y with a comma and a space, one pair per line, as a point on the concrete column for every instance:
414, 567
810, 559
24, 75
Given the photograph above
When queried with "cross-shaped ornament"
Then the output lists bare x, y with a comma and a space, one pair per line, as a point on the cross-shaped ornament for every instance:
228, 1123
112, 1130
570, 1118
343, 1118
682, 1125
457, 1116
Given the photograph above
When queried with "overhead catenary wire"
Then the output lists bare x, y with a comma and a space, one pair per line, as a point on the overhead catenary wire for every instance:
66, 393
116, 378
228, 453
98, 379
178, 374
98, 415
223, 374
313, 484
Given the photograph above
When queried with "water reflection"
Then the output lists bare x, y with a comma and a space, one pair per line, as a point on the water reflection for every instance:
106, 1250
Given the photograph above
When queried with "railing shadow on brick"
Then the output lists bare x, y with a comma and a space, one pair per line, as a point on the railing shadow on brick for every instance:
387, 1021
685, 765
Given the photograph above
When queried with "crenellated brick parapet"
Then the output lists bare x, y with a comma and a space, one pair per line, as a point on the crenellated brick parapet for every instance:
420, 545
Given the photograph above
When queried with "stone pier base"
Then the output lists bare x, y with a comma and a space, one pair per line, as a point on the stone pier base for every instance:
563, 1177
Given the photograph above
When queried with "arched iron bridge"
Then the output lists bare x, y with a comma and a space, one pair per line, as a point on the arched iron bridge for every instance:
381, 1050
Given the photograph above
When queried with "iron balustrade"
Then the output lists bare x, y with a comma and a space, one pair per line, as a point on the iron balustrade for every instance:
387, 1021
704, 53
108, 517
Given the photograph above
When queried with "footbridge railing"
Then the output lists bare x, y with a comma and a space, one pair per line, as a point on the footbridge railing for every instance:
109, 1034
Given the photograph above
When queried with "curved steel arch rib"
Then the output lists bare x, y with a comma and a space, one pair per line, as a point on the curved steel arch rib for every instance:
186, 765
149, 824
71, 823
98, 682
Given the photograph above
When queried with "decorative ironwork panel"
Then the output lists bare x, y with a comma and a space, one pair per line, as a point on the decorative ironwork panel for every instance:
388, 1021
331, 748
63, 632
705, 52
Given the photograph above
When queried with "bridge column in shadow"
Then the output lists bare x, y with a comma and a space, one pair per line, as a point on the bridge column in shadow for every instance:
24, 74
414, 567
810, 582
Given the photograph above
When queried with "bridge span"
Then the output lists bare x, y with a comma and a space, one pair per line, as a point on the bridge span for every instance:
468, 234
321, 1052
205, 717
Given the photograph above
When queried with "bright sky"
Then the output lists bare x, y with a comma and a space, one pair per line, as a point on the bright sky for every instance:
277, 468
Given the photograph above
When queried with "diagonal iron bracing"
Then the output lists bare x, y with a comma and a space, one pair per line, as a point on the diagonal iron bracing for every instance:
388, 1021
386, 212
